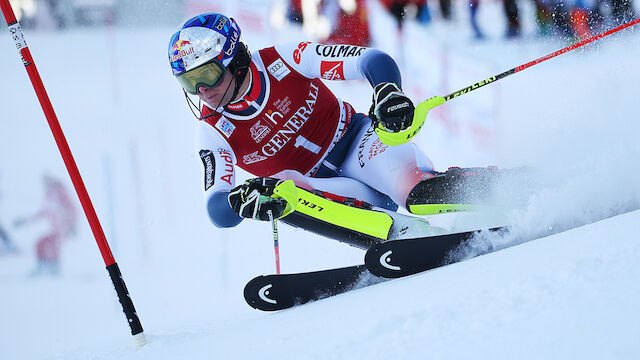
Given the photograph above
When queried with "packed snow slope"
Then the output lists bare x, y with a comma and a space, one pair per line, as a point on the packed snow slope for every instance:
571, 295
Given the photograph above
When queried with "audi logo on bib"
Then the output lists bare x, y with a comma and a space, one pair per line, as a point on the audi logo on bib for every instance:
278, 69
275, 67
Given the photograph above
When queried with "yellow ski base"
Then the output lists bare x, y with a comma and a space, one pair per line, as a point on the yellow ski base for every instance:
435, 209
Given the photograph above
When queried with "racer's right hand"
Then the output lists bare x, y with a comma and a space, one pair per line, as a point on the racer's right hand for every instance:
254, 199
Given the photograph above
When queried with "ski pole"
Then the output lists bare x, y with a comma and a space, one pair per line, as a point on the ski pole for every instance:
72, 169
421, 110
537, 61
276, 247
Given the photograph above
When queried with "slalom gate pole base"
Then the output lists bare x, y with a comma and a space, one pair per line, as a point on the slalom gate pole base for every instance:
127, 304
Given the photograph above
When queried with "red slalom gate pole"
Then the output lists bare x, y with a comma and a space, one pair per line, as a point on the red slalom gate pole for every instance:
67, 156
537, 61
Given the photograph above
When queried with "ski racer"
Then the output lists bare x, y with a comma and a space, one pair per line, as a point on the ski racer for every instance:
269, 113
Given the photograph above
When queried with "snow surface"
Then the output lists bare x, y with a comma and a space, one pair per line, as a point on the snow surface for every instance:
572, 295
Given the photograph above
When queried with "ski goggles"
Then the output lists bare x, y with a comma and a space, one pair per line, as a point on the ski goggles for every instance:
209, 74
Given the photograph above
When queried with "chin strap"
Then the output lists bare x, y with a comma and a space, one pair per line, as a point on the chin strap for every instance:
192, 105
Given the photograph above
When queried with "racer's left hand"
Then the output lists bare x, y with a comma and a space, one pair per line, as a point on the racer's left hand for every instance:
391, 108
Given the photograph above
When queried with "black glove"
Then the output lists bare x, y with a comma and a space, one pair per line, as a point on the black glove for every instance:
391, 108
252, 200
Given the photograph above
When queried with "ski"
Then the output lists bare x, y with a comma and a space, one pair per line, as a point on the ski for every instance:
282, 291
398, 258
390, 259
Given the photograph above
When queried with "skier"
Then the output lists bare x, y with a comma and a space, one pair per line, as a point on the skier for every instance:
7, 244
61, 215
350, 23
269, 113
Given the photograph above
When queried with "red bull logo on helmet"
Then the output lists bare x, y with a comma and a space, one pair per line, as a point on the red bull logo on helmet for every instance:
179, 45
181, 49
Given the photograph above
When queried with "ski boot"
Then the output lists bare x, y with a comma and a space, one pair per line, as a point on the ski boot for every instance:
457, 189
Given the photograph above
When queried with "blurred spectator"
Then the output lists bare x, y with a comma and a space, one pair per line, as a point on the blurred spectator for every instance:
473, 17
571, 19
579, 20
7, 245
547, 17
561, 17
400, 9
622, 11
445, 8
619, 11
351, 24
54, 8
513, 19
336, 21
403, 9
61, 14
316, 23
60, 213
294, 11
25, 11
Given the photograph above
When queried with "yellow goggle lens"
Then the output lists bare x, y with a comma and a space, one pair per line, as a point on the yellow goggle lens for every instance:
209, 75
